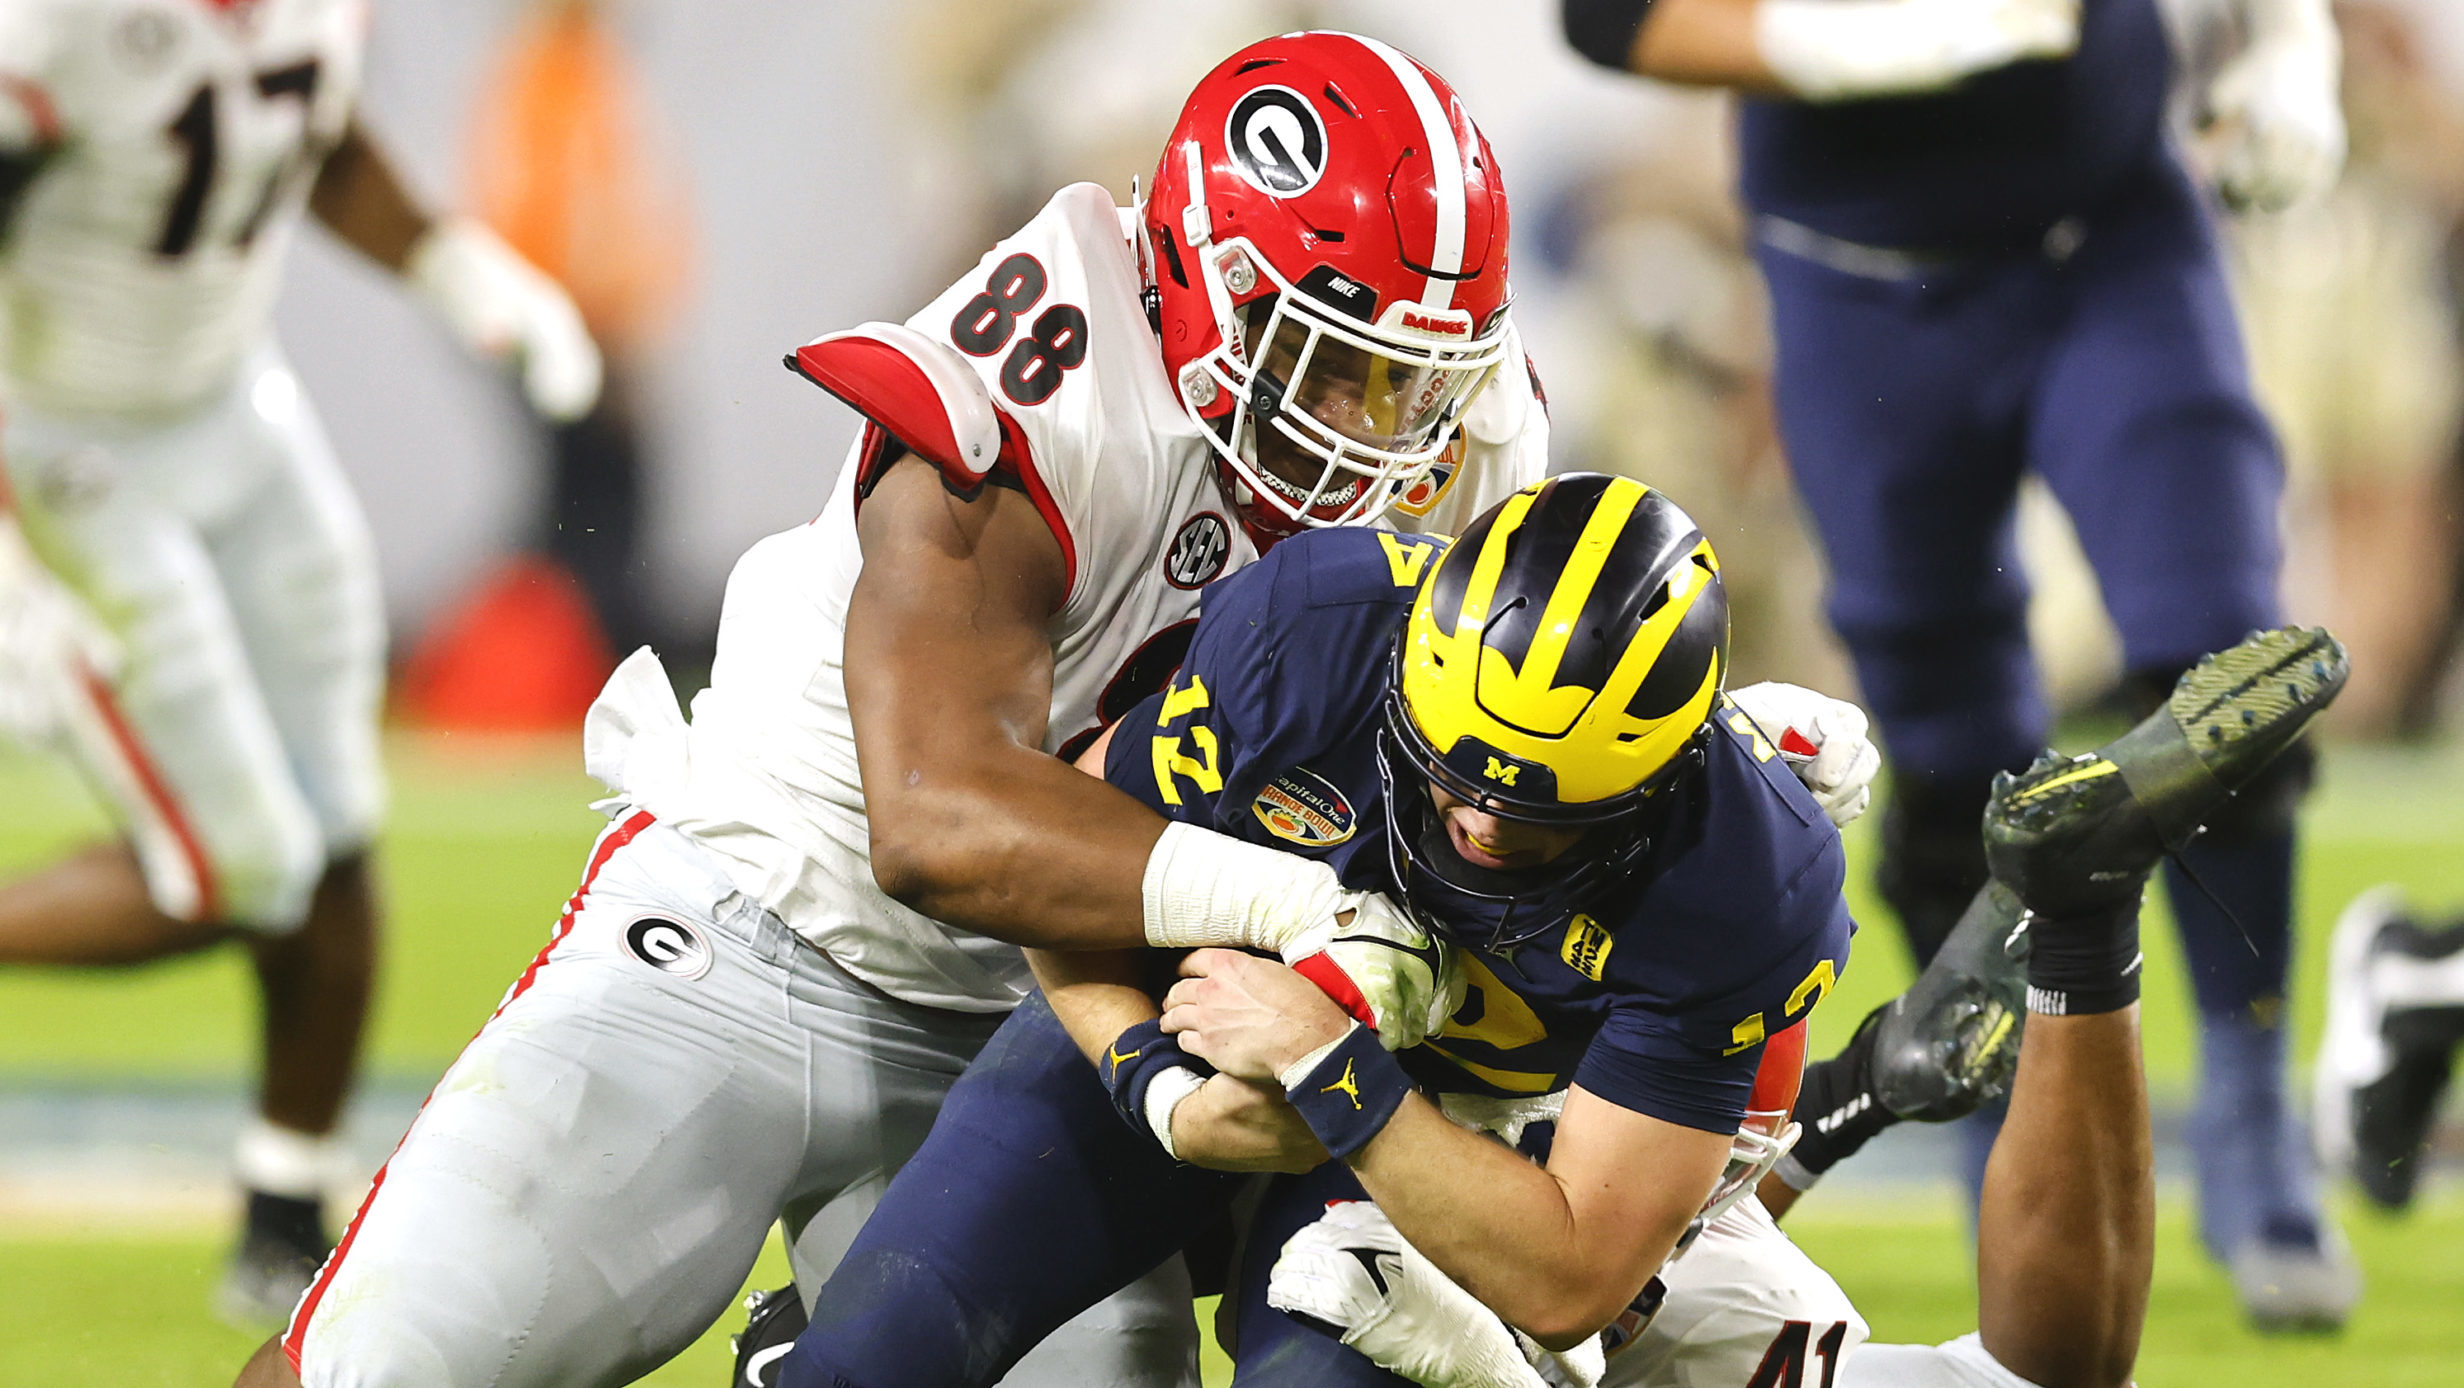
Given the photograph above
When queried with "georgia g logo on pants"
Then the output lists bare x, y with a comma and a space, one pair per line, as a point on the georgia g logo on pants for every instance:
670, 946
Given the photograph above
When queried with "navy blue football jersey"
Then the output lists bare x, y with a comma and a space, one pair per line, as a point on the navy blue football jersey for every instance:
1995, 160
1655, 996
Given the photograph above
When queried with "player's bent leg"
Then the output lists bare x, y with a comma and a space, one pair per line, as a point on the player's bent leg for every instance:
592, 1179
1742, 1304
1029, 1202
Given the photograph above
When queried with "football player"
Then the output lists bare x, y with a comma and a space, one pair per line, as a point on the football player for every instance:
1985, 258
803, 922
1330, 718
2065, 1226
1524, 737
187, 587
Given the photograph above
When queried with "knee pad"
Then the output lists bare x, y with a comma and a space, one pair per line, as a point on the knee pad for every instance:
2263, 809
1933, 855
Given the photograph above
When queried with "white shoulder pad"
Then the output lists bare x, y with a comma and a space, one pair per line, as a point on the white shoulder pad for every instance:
920, 390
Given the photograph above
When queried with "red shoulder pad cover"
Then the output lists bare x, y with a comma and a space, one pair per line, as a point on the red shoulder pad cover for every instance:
1781, 1073
917, 390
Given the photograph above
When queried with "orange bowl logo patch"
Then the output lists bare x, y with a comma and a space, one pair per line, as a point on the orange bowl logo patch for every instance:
1302, 807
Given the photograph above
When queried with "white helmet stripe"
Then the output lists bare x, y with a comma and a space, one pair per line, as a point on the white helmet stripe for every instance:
1445, 156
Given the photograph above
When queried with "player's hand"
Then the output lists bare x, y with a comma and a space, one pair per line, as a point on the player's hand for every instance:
1249, 1017
505, 310
49, 642
1406, 1316
1824, 740
1229, 1124
2275, 113
1383, 967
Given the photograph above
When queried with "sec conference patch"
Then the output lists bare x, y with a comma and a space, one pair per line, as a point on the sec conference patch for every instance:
1302, 807
1198, 551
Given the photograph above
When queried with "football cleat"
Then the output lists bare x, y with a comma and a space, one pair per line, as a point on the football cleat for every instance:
2077, 835
2395, 1018
280, 1251
773, 1320
1949, 1045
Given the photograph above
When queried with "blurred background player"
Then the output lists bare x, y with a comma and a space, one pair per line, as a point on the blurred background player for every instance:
188, 586
1985, 260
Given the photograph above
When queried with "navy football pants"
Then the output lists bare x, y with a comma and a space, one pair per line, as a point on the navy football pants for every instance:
1910, 407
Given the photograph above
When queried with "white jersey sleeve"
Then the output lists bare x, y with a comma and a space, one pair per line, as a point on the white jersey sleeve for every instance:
1960, 1363
141, 264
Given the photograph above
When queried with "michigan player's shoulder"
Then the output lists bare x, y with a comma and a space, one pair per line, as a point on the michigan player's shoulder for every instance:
1743, 922
1298, 642
1760, 818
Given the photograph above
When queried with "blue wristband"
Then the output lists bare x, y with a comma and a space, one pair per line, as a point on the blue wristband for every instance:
1347, 1097
1133, 1061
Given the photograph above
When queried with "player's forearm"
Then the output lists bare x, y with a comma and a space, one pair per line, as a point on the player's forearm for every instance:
2065, 1229
360, 199
1510, 1232
1011, 843
1097, 994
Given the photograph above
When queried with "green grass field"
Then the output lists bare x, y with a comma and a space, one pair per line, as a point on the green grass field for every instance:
486, 840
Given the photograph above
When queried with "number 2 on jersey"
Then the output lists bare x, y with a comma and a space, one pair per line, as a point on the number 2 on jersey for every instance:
1056, 342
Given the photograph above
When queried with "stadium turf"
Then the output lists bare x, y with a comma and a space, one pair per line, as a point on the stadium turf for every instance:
485, 843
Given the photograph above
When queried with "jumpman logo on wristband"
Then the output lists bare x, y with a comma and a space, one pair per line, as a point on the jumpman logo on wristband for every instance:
1114, 1058
1349, 1086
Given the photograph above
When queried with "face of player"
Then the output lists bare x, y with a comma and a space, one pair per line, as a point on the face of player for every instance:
1500, 845
1348, 391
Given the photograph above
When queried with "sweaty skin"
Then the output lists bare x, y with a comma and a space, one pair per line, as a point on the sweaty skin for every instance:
949, 684
1557, 1251
2065, 1229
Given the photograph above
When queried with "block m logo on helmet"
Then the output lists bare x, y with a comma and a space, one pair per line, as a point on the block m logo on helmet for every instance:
1578, 629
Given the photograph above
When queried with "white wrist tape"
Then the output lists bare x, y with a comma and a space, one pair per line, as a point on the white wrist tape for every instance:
1837, 50
1208, 889
1298, 1070
1164, 1094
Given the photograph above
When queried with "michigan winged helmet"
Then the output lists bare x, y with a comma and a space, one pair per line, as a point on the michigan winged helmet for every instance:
1558, 667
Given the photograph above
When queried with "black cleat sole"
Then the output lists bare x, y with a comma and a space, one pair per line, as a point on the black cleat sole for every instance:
2076, 835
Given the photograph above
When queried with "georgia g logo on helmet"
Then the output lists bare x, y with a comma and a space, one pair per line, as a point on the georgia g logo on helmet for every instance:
1277, 141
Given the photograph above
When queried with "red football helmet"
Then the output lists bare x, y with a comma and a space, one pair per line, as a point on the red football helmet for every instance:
1326, 237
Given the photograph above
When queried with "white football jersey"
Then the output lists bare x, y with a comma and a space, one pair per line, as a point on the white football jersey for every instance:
1129, 487
182, 137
